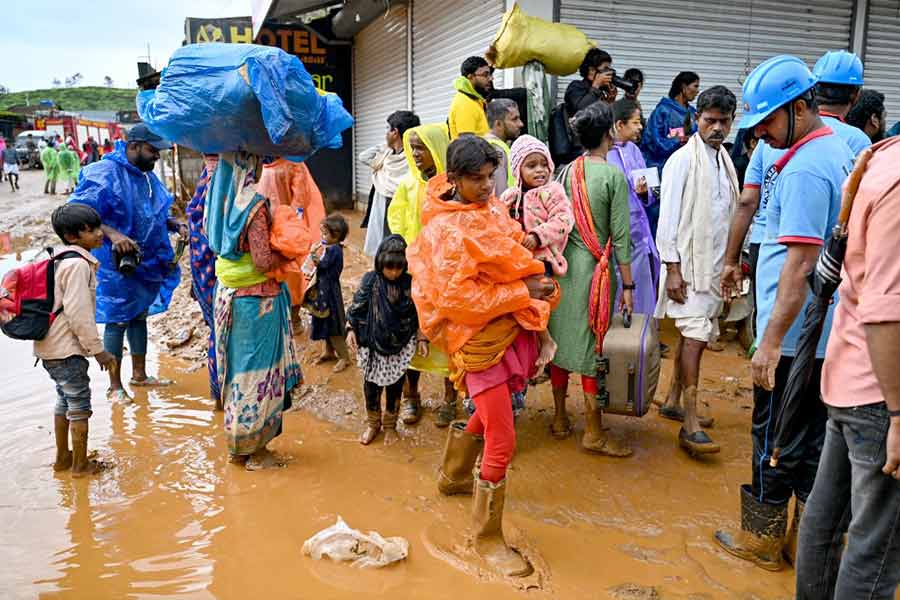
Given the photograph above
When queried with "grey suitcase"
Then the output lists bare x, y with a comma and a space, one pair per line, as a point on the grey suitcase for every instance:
628, 369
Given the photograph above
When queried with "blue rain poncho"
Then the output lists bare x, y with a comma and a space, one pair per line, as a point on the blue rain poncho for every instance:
660, 139
219, 98
137, 205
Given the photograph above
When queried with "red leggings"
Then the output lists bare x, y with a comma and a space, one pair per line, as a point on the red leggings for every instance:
493, 419
559, 378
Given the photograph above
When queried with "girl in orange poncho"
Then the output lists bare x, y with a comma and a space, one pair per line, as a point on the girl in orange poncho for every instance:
481, 297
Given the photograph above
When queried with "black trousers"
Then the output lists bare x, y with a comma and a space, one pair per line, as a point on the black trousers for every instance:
799, 460
393, 392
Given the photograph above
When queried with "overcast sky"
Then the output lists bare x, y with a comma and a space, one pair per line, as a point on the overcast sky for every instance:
45, 39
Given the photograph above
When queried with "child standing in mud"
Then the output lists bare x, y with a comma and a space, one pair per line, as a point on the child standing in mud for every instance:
483, 298
383, 332
73, 336
332, 325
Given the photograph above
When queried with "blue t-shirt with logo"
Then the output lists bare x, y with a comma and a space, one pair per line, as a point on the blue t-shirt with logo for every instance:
853, 136
761, 173
802, 208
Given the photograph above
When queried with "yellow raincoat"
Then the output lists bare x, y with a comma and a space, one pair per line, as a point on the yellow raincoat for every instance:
405, 211
405, 216
467, 110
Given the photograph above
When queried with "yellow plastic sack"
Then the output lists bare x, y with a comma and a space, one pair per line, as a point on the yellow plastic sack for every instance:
561, 48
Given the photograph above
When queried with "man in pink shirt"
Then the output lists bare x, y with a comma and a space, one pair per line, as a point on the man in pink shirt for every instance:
860, 463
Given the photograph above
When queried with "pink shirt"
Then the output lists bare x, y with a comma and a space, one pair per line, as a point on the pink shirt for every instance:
870, 291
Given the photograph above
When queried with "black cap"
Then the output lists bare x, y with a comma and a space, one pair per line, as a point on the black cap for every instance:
142, 133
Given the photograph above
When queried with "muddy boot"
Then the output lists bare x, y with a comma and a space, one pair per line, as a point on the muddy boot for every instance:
460, 453
487, 526
561, 428
595, 440
389, 424
410, 410
373, 427
446, 413
789, 553
63, 454
761, 537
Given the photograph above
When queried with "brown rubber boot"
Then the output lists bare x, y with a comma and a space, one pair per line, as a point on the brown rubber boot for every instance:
460, 453
389, 424
761, 538
63, 454
410, 411
789, 553
561, 428
373, 427
446, 413
594, 439
487, 527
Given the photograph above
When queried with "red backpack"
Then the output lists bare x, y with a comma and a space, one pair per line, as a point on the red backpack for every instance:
26, 298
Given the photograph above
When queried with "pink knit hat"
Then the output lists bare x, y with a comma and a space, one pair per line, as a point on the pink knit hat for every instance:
524, 146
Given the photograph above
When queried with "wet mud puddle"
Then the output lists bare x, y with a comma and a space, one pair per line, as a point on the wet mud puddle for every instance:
173, 519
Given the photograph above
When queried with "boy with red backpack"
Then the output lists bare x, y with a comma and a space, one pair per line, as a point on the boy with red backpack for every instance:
73, 335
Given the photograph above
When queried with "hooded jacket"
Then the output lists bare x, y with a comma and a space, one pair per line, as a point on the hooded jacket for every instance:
660, 138
467, 110
404, 213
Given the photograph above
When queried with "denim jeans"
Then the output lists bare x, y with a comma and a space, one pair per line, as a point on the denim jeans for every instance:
114, 336
73, 387
850, 475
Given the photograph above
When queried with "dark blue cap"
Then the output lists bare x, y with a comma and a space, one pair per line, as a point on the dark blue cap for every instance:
142, 133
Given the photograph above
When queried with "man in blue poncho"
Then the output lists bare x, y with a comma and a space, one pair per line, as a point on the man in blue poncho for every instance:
137, 274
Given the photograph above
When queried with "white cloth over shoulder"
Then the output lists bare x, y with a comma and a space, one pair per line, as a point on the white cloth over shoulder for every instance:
698, 194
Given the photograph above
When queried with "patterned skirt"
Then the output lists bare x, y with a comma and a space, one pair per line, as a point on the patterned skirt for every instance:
257, 365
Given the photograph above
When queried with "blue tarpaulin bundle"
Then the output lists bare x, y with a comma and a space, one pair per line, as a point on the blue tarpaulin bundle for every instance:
231, 97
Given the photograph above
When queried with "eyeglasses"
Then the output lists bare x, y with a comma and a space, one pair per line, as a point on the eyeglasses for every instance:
485, 74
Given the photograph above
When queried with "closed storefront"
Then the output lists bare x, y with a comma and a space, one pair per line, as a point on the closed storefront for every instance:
380, 84
722, 41
446, 32
883, 52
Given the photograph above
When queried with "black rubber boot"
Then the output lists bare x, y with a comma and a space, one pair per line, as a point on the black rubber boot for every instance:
762, 535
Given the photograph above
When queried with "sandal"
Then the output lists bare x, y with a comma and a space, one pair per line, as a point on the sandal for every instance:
697, 443
561, 429
119, 396
151, 381
677, 414
607, 447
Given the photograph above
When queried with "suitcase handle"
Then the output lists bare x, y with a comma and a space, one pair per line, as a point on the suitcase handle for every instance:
626, 318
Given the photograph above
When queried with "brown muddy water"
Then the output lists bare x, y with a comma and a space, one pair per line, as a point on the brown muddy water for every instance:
173, 519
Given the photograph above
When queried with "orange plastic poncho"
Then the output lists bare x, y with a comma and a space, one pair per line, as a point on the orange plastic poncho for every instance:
468, 266
297, 213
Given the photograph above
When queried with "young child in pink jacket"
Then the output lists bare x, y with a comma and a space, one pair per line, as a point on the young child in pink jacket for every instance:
539, 204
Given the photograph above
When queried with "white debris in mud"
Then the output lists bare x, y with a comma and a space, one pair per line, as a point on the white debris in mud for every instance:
340, 542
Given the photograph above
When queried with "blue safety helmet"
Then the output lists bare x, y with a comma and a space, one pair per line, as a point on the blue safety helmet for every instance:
773, 84
840, 67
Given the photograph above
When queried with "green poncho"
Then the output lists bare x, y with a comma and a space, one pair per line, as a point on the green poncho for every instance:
68, 164
50, 162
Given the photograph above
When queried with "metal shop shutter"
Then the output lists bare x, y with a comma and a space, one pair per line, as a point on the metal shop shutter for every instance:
710, 38
446, 32
883, 52
379, 85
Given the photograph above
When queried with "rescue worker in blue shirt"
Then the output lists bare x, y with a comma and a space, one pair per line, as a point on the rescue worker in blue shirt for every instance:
840, 77
803, 189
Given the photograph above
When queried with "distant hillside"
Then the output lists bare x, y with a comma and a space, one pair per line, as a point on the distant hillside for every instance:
76, 98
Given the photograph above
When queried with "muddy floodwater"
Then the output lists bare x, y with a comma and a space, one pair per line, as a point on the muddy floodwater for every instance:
173, 519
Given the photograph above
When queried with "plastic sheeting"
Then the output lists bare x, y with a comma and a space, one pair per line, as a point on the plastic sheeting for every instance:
242, 97
342, 543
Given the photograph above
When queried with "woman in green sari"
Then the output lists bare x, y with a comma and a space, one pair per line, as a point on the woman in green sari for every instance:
599, 194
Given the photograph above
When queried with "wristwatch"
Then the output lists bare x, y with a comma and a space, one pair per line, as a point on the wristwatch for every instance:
629, 286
